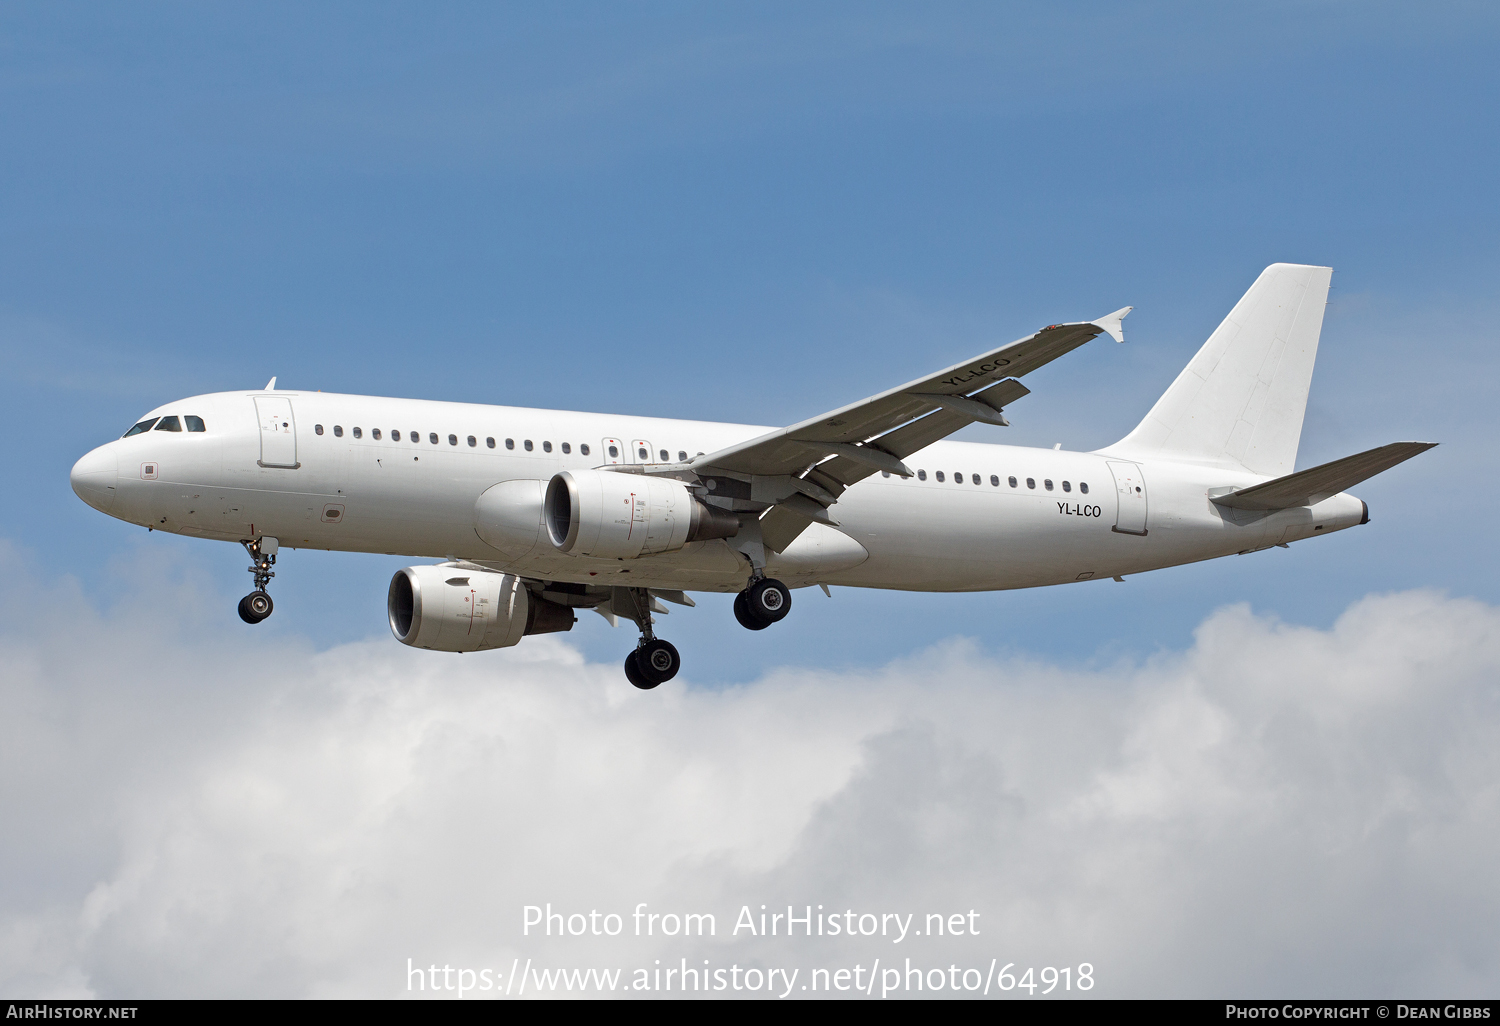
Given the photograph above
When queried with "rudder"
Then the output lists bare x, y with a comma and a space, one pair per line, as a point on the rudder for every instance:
1240, 401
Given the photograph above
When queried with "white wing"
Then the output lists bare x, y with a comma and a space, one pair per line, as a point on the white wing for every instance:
819, 458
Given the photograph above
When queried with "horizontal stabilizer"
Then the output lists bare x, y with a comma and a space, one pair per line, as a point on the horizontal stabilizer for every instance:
1309, 487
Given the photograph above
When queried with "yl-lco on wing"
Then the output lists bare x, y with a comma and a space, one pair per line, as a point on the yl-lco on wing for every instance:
800, 471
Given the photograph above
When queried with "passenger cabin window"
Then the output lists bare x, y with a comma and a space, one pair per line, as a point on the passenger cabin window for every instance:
682, 456
641, 453
431, 437
1047, 484
169, 424
885, 473
527, 443
614, 452
546, 447
1031, 482
194, 423
144, 425
976, 478
1067, 487
474, 441
338, 431
995, 480
510, 443
921, 475
396, 435
566, 448
666, 457
489, 442
1083, 487
453, 440
1012, 481
317, 429
375, 434
416, 436
939, 476
584, 449
358, 433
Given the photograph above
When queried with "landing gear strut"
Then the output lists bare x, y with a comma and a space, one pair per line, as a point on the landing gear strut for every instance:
764, 602
653, 661
257, 605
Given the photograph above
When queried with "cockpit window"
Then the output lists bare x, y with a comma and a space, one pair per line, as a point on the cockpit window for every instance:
169, 424
144, 425
194, 423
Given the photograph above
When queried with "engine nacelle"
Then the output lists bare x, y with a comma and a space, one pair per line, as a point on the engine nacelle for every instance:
621, 516
448, 609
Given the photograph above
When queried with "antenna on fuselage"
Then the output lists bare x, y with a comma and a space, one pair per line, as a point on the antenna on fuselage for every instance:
270, 386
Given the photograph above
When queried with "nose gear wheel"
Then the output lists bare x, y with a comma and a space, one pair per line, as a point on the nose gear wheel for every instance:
257, 605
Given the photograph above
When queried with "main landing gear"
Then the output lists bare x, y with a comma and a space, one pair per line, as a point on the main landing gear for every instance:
653, 661
764, 602
257, 605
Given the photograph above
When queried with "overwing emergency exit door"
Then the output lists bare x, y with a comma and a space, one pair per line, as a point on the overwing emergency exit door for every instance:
278, 432
1130, 489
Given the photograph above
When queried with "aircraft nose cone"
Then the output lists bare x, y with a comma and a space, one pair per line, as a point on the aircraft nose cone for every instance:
95, 476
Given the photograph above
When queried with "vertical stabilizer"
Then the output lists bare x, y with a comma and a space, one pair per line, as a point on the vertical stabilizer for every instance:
1239, 403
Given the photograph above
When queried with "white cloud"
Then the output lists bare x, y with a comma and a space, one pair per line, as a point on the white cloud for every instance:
1278, 810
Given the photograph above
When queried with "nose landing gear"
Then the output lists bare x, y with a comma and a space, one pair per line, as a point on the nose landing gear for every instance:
257, 605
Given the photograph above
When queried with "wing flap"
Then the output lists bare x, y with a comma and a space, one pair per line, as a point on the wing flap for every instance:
1309, 487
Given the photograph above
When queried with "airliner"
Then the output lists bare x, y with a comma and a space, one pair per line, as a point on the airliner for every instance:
538, 514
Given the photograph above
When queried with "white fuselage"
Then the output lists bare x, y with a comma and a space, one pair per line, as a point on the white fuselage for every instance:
1060, 522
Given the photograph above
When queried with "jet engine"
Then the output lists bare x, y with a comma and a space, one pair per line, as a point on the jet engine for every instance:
620, 516
449, 609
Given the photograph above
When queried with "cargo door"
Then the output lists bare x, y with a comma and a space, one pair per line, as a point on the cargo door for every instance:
1130, 490
278, 432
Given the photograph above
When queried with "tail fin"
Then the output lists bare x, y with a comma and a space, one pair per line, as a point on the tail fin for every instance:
1239, 403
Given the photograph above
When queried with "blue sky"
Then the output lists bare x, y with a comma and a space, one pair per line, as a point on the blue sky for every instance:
752, 213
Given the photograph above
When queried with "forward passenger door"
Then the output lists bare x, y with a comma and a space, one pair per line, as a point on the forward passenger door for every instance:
278, 432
